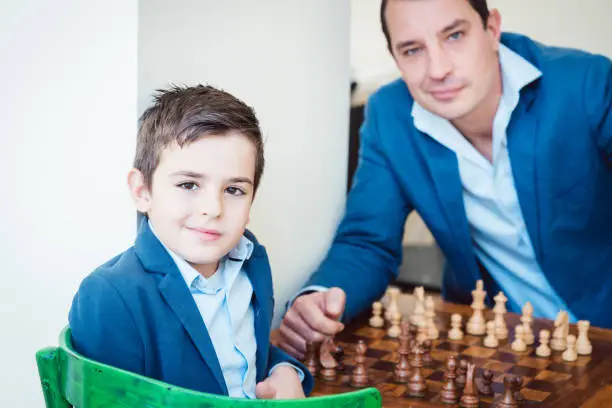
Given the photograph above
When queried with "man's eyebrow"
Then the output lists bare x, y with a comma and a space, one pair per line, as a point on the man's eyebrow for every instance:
454, 25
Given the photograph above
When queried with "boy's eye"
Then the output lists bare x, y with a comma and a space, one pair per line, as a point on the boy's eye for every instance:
235, 191
188, 186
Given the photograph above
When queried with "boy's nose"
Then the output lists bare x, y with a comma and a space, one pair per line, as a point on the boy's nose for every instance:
212, 205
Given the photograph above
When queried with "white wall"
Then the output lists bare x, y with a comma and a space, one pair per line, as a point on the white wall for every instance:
290, 60
67, 122
581, 24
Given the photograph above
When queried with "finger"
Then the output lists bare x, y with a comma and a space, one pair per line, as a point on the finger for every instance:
294, 321
265, 390
291, 351
314, 317
293, 340
335, 300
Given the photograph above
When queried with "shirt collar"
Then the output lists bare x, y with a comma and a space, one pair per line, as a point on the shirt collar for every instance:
241, 252
517, 73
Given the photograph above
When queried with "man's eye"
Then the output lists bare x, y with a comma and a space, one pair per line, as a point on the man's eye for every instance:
188, 186
235, 191
456, 36
412, 51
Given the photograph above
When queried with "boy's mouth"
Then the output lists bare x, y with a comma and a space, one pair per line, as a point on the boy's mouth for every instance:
206, 234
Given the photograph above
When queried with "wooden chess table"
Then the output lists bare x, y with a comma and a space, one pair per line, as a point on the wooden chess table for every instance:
547, 382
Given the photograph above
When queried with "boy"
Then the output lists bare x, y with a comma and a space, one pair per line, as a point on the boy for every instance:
191, 302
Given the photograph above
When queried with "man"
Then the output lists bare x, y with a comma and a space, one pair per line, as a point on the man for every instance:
503, 146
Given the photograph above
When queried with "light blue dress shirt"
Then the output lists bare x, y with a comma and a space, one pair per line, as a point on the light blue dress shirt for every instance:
224, 302
497, 226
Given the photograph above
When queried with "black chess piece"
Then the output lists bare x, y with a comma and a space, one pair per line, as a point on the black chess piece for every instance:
416, 382
311, 361
450, 393
359, 378
469, 399
507, 400
461, 372
339, 355
427, 359
518, 385
484, 383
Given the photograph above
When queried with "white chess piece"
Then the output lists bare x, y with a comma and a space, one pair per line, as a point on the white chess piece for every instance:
418, 314
430, 317
519, 343
543, 350
560, 332
527, 320
455, 332
583, 344
392, 306
395, 329
570, 353
499, 310
376, 320
491, 340
476, 323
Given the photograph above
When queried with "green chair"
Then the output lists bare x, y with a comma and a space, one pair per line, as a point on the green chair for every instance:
69, 379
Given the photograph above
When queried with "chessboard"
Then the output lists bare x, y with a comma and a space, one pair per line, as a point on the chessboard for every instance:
546, 382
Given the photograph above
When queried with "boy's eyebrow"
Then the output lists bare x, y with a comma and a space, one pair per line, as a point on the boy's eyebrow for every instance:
193, 174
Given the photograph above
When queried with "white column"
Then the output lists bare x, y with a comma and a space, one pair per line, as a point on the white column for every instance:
67, 127
290, 60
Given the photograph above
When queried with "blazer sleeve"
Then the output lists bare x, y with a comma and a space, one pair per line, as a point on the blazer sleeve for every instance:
103, 328
277, 356
367, 249
598, 103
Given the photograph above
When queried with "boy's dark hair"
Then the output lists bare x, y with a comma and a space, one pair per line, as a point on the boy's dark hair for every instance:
479, 5
183, 115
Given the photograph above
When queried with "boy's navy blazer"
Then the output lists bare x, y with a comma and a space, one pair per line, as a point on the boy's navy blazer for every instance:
135, 312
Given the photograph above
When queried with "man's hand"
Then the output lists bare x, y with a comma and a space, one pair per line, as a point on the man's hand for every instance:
284, 383
311, 318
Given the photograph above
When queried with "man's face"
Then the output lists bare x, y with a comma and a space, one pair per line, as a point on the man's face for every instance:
200, 198
447, 58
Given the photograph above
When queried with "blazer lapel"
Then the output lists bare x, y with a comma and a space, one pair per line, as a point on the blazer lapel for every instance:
172, 287
522, 140
262, 312
444, 170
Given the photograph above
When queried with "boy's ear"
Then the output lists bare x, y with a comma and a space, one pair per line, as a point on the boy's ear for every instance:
140, 193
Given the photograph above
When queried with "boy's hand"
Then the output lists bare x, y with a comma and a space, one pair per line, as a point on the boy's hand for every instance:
311, 317
284, 383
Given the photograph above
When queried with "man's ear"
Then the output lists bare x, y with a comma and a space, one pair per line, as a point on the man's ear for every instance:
140, 193
494, 25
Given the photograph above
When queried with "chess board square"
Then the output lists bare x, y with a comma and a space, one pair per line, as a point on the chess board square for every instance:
497, 366
394, 390
506, 357
451, 346
523, 371
477, 351
382, 365
384, 345
534, 395
540, 385
369, 332
472, 340
436, 376
553, 376
376, 353
565, 367
535, 362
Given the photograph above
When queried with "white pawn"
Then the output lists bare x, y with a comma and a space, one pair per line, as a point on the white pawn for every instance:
376, 320
501, 329
527, 320
519, 343
455, 332
570, 354
430, 316
543, 350
418, 314
395, 330
491, 341
583, 345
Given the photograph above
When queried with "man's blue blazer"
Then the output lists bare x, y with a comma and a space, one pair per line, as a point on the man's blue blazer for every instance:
136, 312
560, 146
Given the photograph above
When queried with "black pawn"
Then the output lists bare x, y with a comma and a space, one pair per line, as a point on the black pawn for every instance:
507, 399
484, 383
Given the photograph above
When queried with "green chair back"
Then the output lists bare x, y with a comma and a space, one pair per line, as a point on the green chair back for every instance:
71, 380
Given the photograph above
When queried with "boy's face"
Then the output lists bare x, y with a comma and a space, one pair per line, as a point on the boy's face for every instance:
200, 197
447, 58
